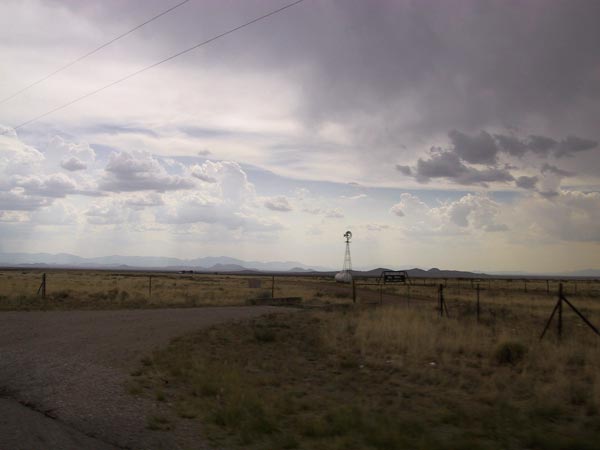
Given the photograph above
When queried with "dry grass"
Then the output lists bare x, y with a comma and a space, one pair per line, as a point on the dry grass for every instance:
387, 377
80, 289
88, 289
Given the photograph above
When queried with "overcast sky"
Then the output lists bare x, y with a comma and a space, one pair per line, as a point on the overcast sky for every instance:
454, 134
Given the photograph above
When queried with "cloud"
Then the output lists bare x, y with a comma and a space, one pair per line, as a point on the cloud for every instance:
409, 204
397, 210
63, 148
311, 210
278, 204
474, 212
201, 172
139, 171
59, 213
541, 144
549, 168
16, 157
572, 145
567, 215
375, 227
55, 185
525, 182
479, 149
73, 164
334, 213
17, 200
404, 170
108, 212
354, 197
142, 201
446, 164
511, 145
230, 202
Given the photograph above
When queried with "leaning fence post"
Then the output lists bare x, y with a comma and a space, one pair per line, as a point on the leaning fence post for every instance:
548, 286
42, 289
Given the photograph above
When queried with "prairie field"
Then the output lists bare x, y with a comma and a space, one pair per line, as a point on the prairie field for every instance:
386, 372
89, 289
374, 367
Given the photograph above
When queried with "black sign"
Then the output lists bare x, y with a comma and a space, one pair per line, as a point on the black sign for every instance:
394, 276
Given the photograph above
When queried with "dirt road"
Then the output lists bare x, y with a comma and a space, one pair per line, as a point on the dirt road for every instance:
63, 375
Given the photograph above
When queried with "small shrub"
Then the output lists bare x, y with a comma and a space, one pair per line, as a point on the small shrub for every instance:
159, 423
510, 353
146, 361
61, 295
263, 295
264, 335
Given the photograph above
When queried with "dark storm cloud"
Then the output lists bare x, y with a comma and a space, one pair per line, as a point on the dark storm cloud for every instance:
541, 145
511, 144
404, 170
574, 144
526, 182
549, 168
462, 65
448, 165
479, 149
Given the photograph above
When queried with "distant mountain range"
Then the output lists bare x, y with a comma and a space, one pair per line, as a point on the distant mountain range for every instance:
228, 264
208, 263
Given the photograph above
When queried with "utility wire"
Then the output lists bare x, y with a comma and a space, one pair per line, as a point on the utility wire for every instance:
151, 66
97, 49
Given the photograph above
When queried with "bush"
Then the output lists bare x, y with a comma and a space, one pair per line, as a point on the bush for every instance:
510, 353
263, 295
264, 335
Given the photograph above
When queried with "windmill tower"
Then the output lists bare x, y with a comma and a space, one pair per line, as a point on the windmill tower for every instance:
345, 276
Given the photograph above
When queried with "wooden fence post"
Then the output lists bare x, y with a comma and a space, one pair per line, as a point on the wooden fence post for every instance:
560, 297
477, 302
443, 307
42, 289
273, 287
150, 286
354, 292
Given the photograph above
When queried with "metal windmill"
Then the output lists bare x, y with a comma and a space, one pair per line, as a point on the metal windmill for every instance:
345, 276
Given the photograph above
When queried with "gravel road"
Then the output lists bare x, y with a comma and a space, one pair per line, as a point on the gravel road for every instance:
63, 375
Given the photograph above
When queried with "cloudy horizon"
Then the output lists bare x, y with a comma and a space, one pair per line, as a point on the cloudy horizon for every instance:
462, 135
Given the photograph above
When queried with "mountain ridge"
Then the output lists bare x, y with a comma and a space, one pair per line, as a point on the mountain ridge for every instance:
229, 264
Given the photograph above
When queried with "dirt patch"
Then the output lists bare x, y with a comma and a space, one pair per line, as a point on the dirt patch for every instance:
75, 365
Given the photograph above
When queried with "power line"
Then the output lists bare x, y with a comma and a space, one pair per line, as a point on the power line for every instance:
97, 49
151, 66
